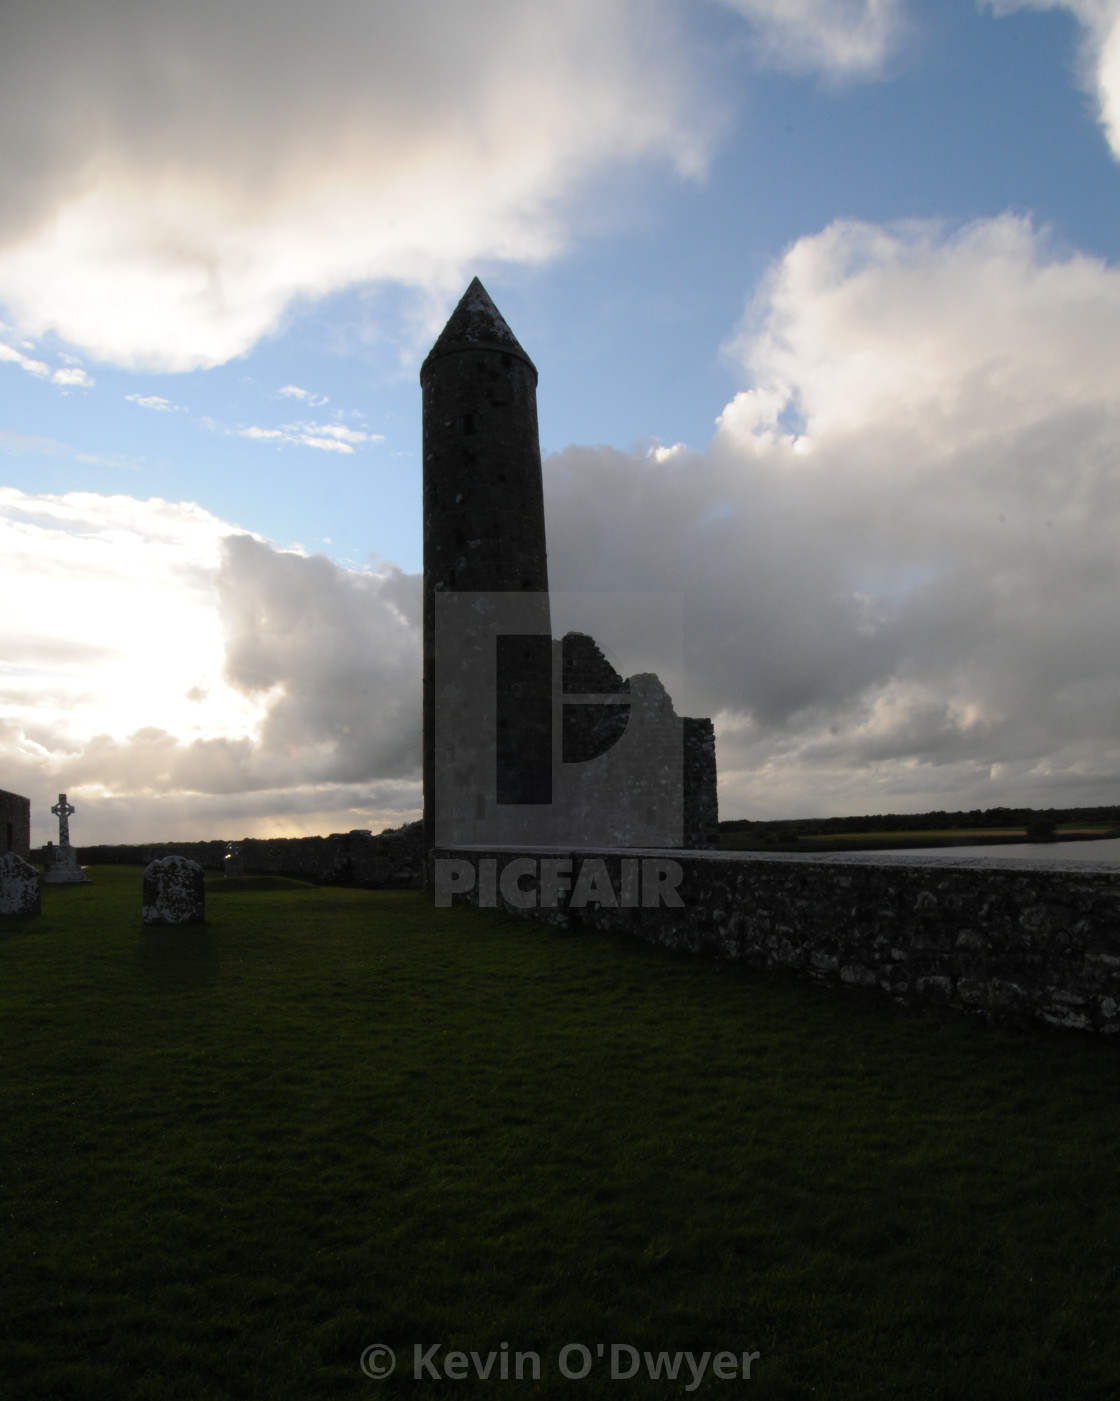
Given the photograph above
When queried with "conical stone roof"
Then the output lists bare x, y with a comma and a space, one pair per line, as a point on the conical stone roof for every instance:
476, 324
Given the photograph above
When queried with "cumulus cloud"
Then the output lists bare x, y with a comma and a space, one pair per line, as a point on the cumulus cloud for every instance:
842, 38
175, 174
274, 689
898, 552
1100, 22
339, 650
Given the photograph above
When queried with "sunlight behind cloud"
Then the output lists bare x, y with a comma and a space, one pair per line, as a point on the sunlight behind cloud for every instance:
192, 671
82, 558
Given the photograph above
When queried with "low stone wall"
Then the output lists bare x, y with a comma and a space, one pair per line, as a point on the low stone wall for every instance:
1011, 940
388, 860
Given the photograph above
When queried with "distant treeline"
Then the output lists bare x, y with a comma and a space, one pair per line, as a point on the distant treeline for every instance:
925, 821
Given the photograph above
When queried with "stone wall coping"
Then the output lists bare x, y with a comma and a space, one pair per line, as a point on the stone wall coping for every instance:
927, 860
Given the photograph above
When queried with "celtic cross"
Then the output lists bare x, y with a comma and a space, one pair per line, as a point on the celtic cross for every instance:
62, 810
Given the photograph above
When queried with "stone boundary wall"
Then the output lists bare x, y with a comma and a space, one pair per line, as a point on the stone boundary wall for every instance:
1011, 940
392, 859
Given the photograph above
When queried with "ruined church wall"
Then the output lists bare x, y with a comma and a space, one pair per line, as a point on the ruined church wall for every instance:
1014, 942
701, 803
15, 824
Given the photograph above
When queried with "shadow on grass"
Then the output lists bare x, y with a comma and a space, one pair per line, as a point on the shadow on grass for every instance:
177, 958
366, 1121
16, 926
236, 885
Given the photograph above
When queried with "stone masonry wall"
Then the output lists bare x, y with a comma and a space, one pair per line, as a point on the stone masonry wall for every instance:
701, 804
15, 824
1011, 941
388, 860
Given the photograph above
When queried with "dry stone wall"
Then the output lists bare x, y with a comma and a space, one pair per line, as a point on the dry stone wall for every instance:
1010, 940
387, 860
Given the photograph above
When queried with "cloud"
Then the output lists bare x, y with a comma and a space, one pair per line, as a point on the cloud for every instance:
1100, 57
235, 672
25, 362
327, 437
151, 401
841, 38
69, 376
312, 810
315, 401
898, 552
22, 444
175, 174
341, 651
73, 377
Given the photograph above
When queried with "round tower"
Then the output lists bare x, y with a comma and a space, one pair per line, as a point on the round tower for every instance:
483, 494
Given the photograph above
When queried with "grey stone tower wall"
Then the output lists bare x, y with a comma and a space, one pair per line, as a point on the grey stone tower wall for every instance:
484, 532
701, 805
15, 824
483, 492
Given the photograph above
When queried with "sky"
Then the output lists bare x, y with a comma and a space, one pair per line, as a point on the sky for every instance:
825, 300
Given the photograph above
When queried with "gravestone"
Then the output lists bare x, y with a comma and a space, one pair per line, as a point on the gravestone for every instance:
233, 864
62, 866
174, 892
19, 886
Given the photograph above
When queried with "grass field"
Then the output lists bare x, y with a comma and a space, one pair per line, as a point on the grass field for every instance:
235, 1156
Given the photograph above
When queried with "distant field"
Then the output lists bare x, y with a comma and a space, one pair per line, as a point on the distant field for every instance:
897, 841
236, 1156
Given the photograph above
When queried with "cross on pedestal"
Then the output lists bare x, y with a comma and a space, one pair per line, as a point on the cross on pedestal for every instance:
63, 810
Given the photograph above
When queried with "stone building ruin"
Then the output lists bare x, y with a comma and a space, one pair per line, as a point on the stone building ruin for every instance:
528, 740
15, 825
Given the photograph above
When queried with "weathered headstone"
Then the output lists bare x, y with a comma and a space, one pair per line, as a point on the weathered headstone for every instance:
233, 863
19, 886
174, 892
62, 866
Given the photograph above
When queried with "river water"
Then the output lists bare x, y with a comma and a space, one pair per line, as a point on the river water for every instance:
1105, 850
1103, 854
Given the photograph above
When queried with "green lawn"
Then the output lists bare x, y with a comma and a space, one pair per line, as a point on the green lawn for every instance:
235, 1156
